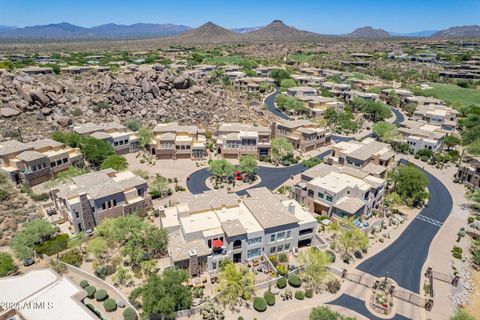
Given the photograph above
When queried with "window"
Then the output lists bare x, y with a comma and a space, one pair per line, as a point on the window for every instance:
272, 238
288, 234
53, 164
320, 195
214, 265
140, 192
80, 227
209, 242
310, 193
104, 205
329, 198
44, 165
287, 246
272, 250
280, 248
114, 202
281, 235
254, 240
253, 253
65, 160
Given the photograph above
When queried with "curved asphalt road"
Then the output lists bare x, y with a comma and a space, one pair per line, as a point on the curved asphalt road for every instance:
405, 257
399, 117
270, 102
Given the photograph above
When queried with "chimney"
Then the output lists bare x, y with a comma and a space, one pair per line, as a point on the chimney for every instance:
291, 207
161, 211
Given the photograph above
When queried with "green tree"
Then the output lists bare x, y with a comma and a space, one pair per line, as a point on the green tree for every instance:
451, 141
325, 313
115, 162
410, 108
314, 262
410, 184
474, 148
331, 116
351, 238
385, 131
159, 186
462, 315
165, 294
133, 124
221, 169
281, 148
98, 247
376, 111
325, 93
7, 265
393, 98
145, 136
279, 74
77, 241
288, 83
96, 151
248, 165
234, 282
31, 233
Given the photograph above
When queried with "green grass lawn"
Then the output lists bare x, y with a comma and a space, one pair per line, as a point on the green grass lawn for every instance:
453, 94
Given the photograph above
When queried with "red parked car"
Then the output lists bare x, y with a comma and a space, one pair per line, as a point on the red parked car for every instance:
238, 175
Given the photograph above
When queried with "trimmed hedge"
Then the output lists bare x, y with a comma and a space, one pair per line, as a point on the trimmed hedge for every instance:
300, 295
269, 298
101, 295
129, 314
84, 284
259, 304
281, 283
54, 245
73, 257
309, 293
110, 305
294, 280
90, 291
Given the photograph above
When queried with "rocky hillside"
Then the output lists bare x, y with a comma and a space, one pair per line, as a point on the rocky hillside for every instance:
369, 33
459, 32
208, 33
277, 30
39, 104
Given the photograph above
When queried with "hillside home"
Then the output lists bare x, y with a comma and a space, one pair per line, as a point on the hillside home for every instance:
36, 162
336, 191
118, 136
173, 141
250, 84
369, 155
300, 92
421, 135
86, 200
439, 115
469, 173
308, 80
303, 134
208, 228
237, 139
317, 105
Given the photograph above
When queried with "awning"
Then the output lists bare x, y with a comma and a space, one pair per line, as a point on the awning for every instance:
217, 243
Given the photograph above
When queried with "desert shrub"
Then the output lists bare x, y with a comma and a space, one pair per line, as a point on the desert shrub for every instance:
101, 295
73, 257
101, 272
129, 314
269, 298
4, 195
84, 284
259, 304
54, 245
282, 257
90, 291
110, 305
294, 280
300, 295
282, 270
273, 260
246, 295
309, 293
120, 303
281, 283
333, 285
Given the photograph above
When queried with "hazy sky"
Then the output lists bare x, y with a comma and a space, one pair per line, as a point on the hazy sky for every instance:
330, 17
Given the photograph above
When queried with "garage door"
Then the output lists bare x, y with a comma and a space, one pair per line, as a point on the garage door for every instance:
164, 156
39, 180
183, 156
310, 148
230, 156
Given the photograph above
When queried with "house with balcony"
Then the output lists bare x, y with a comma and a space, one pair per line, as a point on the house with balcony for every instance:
207, 228
366, 84
421, 135
174, 141
469, 173
317, 105
420, 101
439, 115
308, 80
303, 134
401, 93
122, 139
336, 89
369, 155
265, 71
251, 84
36, 162
366, 96
84, 201
237, 139
339, 191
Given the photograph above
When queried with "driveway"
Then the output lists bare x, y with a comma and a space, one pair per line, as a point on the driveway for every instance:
405, 257
270, 102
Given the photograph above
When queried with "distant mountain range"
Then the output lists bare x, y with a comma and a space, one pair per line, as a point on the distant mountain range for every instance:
68, 31
209, 32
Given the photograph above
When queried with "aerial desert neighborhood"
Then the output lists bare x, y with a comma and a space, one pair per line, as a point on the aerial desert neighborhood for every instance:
239, 160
